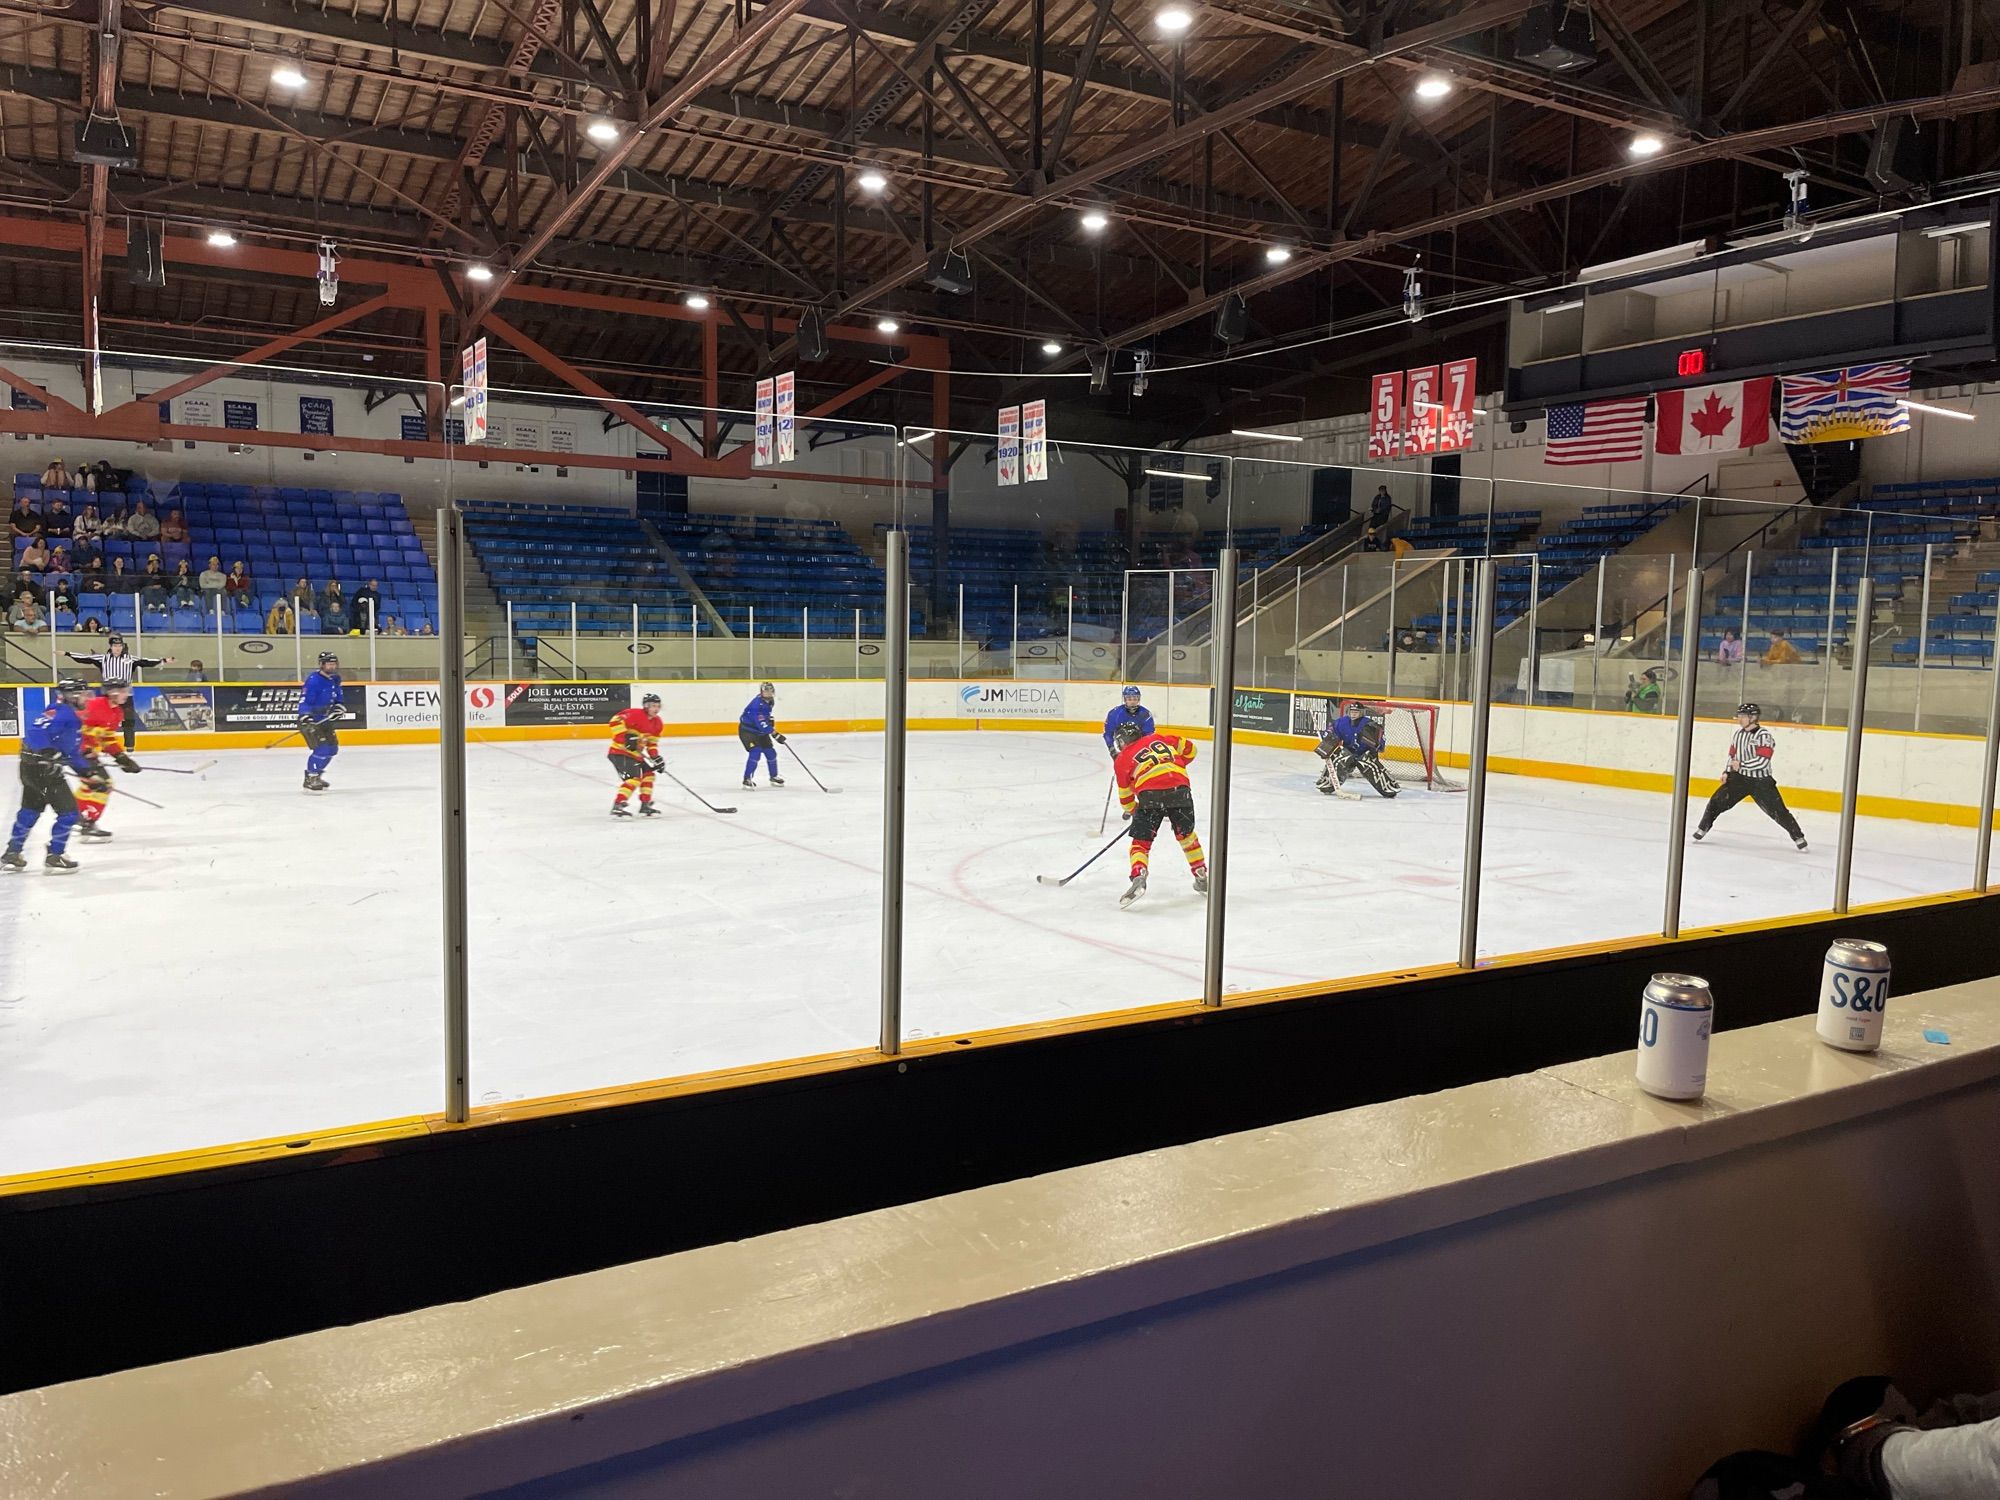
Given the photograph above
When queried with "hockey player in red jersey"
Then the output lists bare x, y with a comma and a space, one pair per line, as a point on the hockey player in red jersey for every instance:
1151, 770
103, 739
635, 755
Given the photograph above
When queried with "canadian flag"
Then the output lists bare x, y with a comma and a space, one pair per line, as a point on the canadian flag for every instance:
1712, 418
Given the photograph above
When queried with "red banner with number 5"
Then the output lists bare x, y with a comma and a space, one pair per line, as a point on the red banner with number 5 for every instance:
1385, 415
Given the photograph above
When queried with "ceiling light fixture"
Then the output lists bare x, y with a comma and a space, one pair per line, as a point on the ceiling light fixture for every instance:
222, 239
918, 437
1094, 220
1269, 437
288, 78
1200, 476
1051, 348
1277, 255
1433, 86
872, 181
1173, 19
478, 272
697, 301
888, 325
1937, 411
1645, 145
605, 131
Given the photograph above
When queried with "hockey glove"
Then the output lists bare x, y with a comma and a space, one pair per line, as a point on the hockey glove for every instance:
97, 781
657, 766
778, 737
129, 765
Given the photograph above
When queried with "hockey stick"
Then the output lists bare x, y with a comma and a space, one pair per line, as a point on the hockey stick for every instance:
1066, 879
694, 794
1104, 818
178, 770
135, 797
341, 716
830, 790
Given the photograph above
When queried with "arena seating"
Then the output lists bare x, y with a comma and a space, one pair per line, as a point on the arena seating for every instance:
781, 567
1574, 549
543, 558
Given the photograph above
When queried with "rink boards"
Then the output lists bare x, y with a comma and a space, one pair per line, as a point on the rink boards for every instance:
1931, 778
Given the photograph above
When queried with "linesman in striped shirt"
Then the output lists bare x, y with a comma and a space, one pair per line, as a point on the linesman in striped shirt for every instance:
116, 667
1748, 774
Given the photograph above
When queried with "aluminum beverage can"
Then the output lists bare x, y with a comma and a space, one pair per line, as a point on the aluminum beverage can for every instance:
1676, 1012
1853, 993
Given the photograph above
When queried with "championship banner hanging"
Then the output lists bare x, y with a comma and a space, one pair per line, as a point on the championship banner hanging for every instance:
761, 449
1712, 418
1385, 415
474, 361
1420, 401
1034, 441
1458, 394
1007, 447
787, 434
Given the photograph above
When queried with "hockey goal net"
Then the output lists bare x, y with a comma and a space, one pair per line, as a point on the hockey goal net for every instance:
1410, 748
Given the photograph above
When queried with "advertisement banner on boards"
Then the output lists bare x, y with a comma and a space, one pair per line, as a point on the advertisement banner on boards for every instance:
765, 443
10, 713
1385, 414
1007, 451
174, 708
1011, 700
532, 703
1312, 712
787, 429
417, 705
1271, 712
276, 706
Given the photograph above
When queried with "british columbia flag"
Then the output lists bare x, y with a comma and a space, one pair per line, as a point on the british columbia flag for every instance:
1832, 406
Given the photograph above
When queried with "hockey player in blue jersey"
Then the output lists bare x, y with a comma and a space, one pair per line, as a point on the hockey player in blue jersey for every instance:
1130, 711
757, 729
52, 744
320, 708
1353, 742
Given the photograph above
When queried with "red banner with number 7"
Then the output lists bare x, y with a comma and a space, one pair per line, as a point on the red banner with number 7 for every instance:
1458, 396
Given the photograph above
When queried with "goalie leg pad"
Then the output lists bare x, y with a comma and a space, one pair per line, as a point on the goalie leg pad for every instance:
1376, 776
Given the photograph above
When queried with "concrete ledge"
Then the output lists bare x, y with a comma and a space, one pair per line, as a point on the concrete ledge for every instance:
593, 1369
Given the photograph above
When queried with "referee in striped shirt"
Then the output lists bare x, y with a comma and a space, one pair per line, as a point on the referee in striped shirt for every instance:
115, 667
1748, 774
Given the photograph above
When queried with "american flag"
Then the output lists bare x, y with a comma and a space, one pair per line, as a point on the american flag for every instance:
1597, 432
1830, 406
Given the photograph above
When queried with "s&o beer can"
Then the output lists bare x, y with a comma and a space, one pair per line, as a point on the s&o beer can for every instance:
1675, 1016
1853, 992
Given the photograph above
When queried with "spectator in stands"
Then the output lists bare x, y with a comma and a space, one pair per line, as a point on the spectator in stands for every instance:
89, 526
331, 595
25, 519
393, 626
186, 594
102, 476
117, 521
212, 580
90, 580
57, 520
1381, 516
142, 525
1729, 650
303, 596
120, 580
55, 476
279, 621
26, 615
59, 560
91, 625
63, 596
367, 605
34, 558
424, 628
1781, 652
196, 671
238, 586
153, 584
84, 553
174, 528
333, 614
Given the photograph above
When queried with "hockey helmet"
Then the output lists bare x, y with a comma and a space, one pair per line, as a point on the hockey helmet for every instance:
68, 688
328, 659
651, 700
1127, 733
766, 690
1751, 709
1131, 692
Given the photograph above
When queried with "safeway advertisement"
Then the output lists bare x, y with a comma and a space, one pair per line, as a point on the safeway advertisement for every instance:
415, 705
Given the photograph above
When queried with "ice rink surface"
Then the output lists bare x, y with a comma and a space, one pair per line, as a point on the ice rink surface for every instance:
253, 961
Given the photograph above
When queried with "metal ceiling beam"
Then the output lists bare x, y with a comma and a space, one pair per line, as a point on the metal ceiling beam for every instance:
1315, 74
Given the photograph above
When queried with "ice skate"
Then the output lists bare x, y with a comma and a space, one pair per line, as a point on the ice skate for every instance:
92, 831
58, 864
12, 860
1133, 891
620, 810
647, 810
1201, 884
749, 785
316, 783
777, 781
1700, 834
